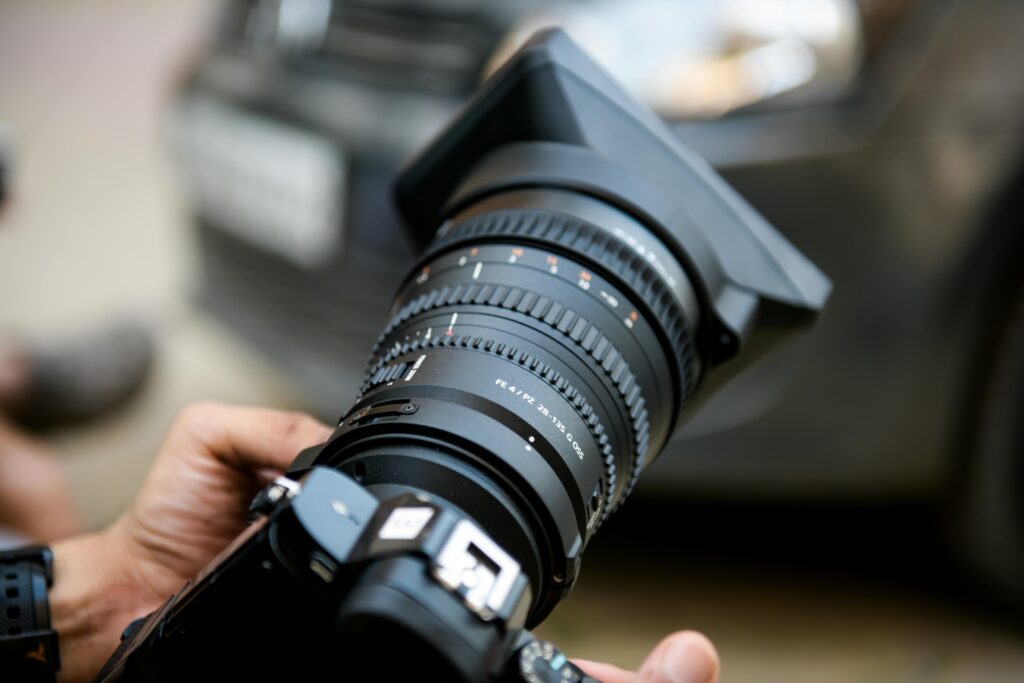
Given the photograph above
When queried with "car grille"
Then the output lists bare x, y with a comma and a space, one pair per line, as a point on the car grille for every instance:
437, 46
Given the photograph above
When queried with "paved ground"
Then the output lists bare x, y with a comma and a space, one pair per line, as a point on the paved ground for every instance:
96, 230
789, 594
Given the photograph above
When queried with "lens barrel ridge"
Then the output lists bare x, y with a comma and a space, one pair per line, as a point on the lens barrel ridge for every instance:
607, 240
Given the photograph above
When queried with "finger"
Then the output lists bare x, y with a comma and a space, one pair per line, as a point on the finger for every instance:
683, 657
246, 438
606, 673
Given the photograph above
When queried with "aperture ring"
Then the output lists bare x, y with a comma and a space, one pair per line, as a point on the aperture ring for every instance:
557, 317
385, 370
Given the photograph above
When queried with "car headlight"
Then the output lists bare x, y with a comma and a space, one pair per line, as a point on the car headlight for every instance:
701, 59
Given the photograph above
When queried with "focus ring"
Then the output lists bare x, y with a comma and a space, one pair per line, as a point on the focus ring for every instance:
582, 238
563, 320
385, 370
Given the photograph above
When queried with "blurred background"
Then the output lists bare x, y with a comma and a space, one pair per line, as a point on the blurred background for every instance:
195, 205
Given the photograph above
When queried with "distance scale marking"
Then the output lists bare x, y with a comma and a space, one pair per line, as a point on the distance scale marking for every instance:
537, 259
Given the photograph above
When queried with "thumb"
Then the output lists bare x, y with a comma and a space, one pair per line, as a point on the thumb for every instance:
683, 657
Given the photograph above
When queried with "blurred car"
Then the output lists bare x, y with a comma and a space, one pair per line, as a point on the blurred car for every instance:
885, 138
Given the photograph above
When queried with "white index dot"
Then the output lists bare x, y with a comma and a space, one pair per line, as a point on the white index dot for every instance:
531, 439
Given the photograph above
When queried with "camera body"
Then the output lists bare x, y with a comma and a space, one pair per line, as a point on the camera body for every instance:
330, 576
584, 277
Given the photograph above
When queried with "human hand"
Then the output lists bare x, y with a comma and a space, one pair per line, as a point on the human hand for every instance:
194, 503
683, 657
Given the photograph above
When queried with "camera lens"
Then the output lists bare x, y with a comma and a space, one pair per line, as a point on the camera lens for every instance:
583, 272
536, 359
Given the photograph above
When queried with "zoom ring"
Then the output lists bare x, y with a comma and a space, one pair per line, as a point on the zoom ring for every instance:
579, 237
386, 371
563, 320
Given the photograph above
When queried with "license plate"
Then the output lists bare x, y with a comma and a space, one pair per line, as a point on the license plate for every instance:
267, 182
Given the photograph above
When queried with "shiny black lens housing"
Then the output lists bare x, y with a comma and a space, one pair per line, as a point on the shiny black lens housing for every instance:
545, 338
584, 278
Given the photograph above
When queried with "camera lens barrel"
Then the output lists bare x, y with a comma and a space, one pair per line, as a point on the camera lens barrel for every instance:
535, 361
583, 272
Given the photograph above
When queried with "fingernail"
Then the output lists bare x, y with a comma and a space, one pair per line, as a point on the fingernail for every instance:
687, 661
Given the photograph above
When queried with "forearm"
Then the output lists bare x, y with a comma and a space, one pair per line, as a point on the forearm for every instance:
91, 602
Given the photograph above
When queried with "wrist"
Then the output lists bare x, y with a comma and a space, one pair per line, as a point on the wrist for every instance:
92, 599
28, 644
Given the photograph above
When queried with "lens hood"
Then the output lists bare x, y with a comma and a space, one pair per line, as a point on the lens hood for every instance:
551, 118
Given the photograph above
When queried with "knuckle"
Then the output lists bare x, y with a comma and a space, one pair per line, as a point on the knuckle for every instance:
295, 424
